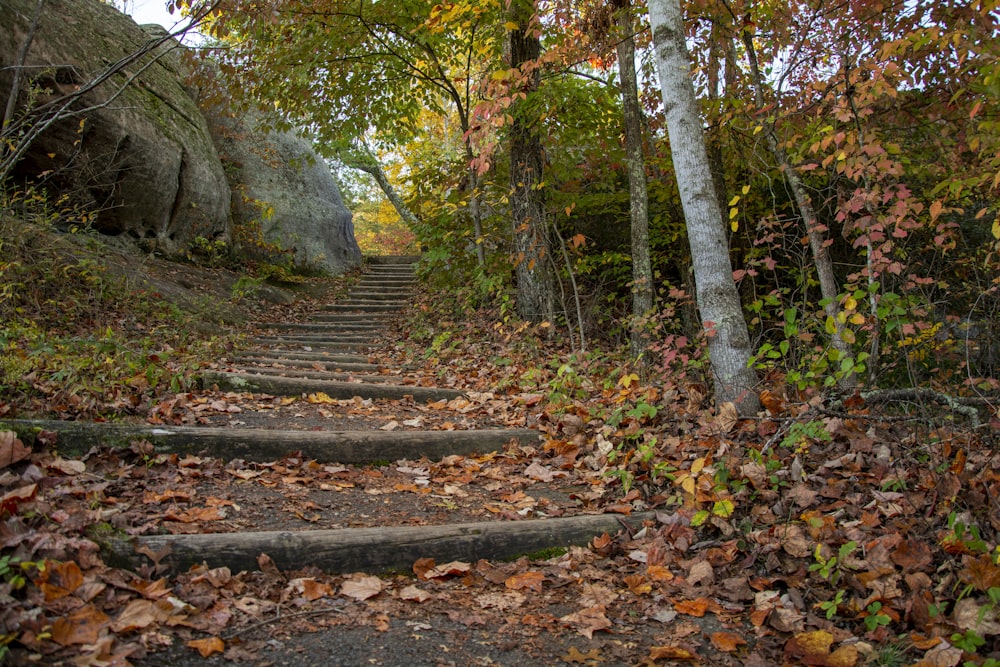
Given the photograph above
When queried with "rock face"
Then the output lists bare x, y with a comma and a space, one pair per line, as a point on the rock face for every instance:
145, 160
279, 180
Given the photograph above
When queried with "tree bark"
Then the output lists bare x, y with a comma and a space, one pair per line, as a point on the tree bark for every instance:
642, 272
718, 301
362, 159
535, 283
829, 291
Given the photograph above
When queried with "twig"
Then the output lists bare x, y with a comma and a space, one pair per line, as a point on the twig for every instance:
281, 617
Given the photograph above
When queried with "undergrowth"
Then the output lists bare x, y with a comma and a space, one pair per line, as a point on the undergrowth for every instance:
78, 340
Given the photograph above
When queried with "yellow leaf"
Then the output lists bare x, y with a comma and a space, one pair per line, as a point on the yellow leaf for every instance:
510, 25
758, 129
851, 303
831, 325
733, 212
688, 485
735, 200
698, 464
857, 319
735, 225
746, 189
996, 228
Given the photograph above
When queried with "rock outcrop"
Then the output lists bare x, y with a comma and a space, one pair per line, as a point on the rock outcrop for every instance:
279, 180
144, 158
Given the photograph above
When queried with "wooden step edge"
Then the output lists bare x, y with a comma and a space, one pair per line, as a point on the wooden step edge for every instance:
373, 550
262, 445
281, 386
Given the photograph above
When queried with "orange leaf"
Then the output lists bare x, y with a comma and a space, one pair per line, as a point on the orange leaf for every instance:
208, 646
638, 584
659, 573
531, 580
60, 579
672, 653
83, 626
727, 642
695, 608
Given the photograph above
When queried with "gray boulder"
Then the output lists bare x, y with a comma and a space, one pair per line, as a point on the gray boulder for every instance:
145, 160
278, 180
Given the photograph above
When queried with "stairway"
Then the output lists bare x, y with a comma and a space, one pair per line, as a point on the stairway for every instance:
329, 355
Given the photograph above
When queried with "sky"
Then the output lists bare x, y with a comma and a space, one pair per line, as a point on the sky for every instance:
150, 11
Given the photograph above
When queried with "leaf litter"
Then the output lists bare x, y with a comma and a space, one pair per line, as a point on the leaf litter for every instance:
766, 548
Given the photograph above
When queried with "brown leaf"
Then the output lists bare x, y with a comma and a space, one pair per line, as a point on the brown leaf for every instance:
137, 615
422, 566
208, 646
453, 569
675, 653
912, 555
12, 450
981, 572
60, 579
727, 642
361, 587
588, 621
696, 608
414, 594
638, 584
809, 648
530, 580
83, 626
574, 656
267, 566
12, 499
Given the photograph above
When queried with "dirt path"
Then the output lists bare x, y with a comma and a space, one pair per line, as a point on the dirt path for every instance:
309, 456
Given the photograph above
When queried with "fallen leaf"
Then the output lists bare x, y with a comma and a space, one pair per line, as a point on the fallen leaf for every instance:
638, 584
361, 587
82, 626
58, 580
137, 615
530, 580
727, 642
672, 653
12, 450
208, 646
414, 594
574, 656
588, 621
12, 499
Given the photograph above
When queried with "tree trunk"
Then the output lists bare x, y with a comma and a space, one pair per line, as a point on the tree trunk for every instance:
828, 288
535, 283
642, 272
718, 301
474, 208
362, 159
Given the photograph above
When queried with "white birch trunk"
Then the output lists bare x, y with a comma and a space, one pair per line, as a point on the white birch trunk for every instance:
717, 298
